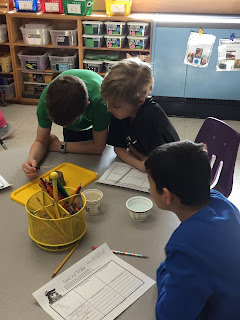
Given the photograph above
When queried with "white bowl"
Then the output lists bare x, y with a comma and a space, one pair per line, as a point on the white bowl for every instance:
139, 208
93, 201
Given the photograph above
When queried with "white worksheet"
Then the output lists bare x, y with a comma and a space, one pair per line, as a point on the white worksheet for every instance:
123, 175
99, 286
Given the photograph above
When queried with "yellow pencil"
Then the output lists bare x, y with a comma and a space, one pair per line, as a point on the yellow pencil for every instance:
62, 263
53, 177
51, 216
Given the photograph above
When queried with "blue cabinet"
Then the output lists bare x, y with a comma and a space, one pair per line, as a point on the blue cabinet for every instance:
173, 78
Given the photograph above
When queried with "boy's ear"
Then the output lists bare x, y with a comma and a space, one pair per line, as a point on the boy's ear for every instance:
167, 196
141, 101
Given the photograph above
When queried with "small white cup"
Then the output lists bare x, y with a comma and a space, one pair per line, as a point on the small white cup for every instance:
93, 201
139, 208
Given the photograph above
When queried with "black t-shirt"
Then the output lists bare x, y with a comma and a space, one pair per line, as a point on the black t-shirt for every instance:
149, 129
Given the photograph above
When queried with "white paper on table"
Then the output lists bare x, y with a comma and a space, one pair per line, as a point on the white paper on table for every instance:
123, 175
99, 286
3, 183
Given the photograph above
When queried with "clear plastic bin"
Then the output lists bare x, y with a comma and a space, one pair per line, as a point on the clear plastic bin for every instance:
52, 6
8, 90
114, 41
78, 7
93, 65
138, 29
4, 80
109, 64
67, 37
3, 33
27, 5
35, 34
102, 55
137, 42
93, 41
115, 27
5, 63
93, 27
33, 60
63, 61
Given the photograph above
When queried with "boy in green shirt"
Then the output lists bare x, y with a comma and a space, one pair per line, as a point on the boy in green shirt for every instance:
73, 101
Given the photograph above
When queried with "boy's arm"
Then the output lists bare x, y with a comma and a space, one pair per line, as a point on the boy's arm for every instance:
37, 151
126, 156
95, 146
183, 287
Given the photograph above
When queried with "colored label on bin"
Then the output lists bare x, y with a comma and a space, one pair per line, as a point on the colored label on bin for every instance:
32, 65
34, 39
63, 41
62, 67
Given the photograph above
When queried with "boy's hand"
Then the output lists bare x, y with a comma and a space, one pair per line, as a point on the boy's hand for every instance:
141, 166
54, 143
29, 168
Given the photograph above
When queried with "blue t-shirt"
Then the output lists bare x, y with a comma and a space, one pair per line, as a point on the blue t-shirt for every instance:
200, 278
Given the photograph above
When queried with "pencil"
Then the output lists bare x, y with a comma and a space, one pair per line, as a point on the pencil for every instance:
3, 144
126, 253
53, 177
62, 263
123, 175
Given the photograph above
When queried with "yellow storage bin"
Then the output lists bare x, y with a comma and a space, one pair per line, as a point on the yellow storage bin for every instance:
55, 234
118, 8
5, 63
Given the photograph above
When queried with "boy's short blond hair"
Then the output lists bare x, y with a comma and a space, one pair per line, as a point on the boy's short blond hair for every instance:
128, 81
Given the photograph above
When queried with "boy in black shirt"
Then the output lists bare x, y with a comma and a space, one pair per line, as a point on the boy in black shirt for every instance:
138, 124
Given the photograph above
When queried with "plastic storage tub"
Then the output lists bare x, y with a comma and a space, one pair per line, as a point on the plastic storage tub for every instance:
109, 64
35, 34
93, 27
102, 55
115, 28
78, 7
137, 42
33, 60
114, 41
27, 5
93, 65
52, 6
63, 61
118, 8
4, 80
64, 37
3, 33
8, 90
93, 41
138, 28
5, 63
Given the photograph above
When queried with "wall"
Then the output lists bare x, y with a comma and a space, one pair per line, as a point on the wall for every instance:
180, 6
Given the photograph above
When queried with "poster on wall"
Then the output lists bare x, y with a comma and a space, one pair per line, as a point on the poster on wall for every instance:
229, 55
199, 49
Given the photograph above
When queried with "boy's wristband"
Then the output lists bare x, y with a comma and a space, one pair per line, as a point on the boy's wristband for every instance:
63, 147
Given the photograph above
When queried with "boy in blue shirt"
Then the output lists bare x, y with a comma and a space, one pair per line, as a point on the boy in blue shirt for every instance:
200, 279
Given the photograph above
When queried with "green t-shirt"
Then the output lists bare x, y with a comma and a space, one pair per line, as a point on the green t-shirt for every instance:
94, 116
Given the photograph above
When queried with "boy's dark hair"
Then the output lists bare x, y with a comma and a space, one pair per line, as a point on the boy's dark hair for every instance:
183, 168
66, 98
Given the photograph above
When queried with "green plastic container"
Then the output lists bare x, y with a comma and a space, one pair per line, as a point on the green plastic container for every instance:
78, 7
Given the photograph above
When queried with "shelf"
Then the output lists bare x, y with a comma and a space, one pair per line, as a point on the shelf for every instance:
117, 49
20, 43
5, 73
5, 44
48, 70
16, 44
